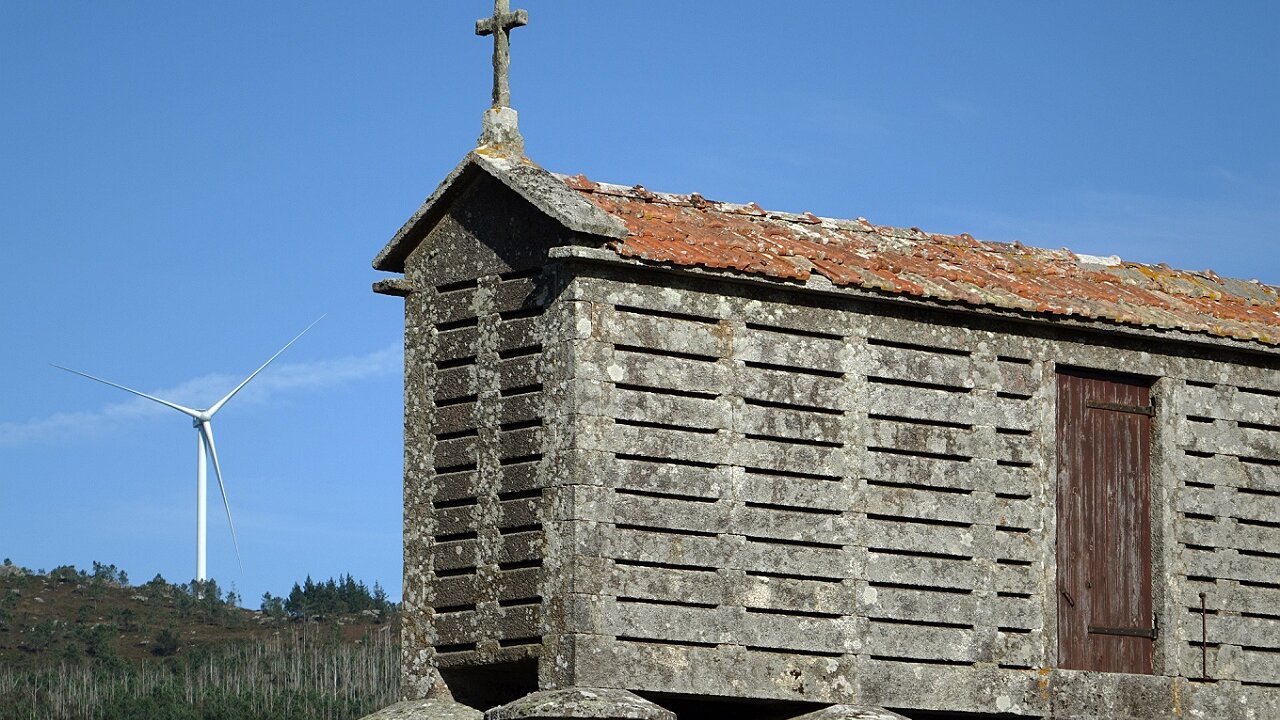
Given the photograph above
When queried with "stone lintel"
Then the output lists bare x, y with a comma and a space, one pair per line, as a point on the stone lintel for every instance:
573, 703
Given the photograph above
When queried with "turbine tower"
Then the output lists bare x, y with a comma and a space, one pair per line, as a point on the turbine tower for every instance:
201, 420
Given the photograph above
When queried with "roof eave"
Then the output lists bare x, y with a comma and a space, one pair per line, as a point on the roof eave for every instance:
821, 286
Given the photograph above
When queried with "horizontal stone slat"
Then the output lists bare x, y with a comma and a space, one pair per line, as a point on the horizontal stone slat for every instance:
690, 412
1231, 472
920, 366
977, 442
787, 525
518, 443
786, 632
452, 521
667, 548
1231, 597
789, 423
456, 627
923, 571
454, 590
657, 476
1230, 565
920, 605
521, 621
455, 486
977, 508
1234, 630
691, 670
670, 513
922, 642
518, 372
949, 473
521, 477
455, 382
795, 492
703, 587
463, 589
661, 333
455, 344
785, 559
776, 593
816, 391
520, 408
668, 622
459, 451
790, 457
453, 306
1227, 534
519, 333
1228, 503
520, 547
656, 443
1226, 403
1234, 663
516, 293
661, 371
943, 406
774, 348
1225, 438
454, 417
453, 555
918, 537
519, 513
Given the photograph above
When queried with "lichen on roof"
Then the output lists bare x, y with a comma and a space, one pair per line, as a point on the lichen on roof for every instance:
690, 230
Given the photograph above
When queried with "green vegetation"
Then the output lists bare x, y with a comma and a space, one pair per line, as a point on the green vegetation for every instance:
76, 644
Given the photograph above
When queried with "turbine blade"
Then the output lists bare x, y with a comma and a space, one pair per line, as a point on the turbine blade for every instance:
175, 406
218, 405
207, 431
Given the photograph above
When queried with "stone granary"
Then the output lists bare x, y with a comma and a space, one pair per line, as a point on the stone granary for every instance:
752, 464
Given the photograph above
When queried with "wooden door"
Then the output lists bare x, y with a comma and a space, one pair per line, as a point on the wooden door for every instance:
1105, 619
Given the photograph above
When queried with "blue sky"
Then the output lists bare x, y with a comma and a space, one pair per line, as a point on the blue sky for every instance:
187, 185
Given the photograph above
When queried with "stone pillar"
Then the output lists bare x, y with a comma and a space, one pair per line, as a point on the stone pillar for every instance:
429, 709
851, 712
575, 703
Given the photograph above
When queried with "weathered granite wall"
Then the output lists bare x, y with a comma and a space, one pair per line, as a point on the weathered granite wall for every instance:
621, 477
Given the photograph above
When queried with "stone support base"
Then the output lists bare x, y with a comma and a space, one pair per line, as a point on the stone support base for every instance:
851, 712
501, 132
432, 709
580, 703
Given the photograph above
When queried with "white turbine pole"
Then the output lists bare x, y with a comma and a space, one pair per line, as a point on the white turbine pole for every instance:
204, 448
201, 501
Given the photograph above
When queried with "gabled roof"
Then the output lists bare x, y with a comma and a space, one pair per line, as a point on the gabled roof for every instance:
542, 189
689, 230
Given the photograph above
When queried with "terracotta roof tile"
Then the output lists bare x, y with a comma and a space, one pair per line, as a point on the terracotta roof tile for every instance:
691, 230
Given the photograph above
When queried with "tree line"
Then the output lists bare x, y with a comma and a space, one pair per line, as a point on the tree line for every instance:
341, 596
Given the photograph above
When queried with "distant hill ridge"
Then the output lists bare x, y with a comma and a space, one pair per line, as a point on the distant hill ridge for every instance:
76, 643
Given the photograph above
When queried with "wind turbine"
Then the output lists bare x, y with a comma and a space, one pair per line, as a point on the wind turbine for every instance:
201, 420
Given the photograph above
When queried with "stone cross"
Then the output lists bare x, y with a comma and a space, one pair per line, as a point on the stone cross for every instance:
500, 26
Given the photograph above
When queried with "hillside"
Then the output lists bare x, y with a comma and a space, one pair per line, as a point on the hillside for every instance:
88, 644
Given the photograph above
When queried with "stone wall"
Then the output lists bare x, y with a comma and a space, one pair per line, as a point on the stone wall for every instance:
666, 483
793, 497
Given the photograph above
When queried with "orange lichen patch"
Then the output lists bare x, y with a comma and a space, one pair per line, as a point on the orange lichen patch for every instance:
691, 230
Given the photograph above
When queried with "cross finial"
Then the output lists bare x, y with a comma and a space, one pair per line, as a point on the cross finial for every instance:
500, 27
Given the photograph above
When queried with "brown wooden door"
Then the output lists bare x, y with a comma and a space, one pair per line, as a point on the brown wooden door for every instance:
1105, 619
